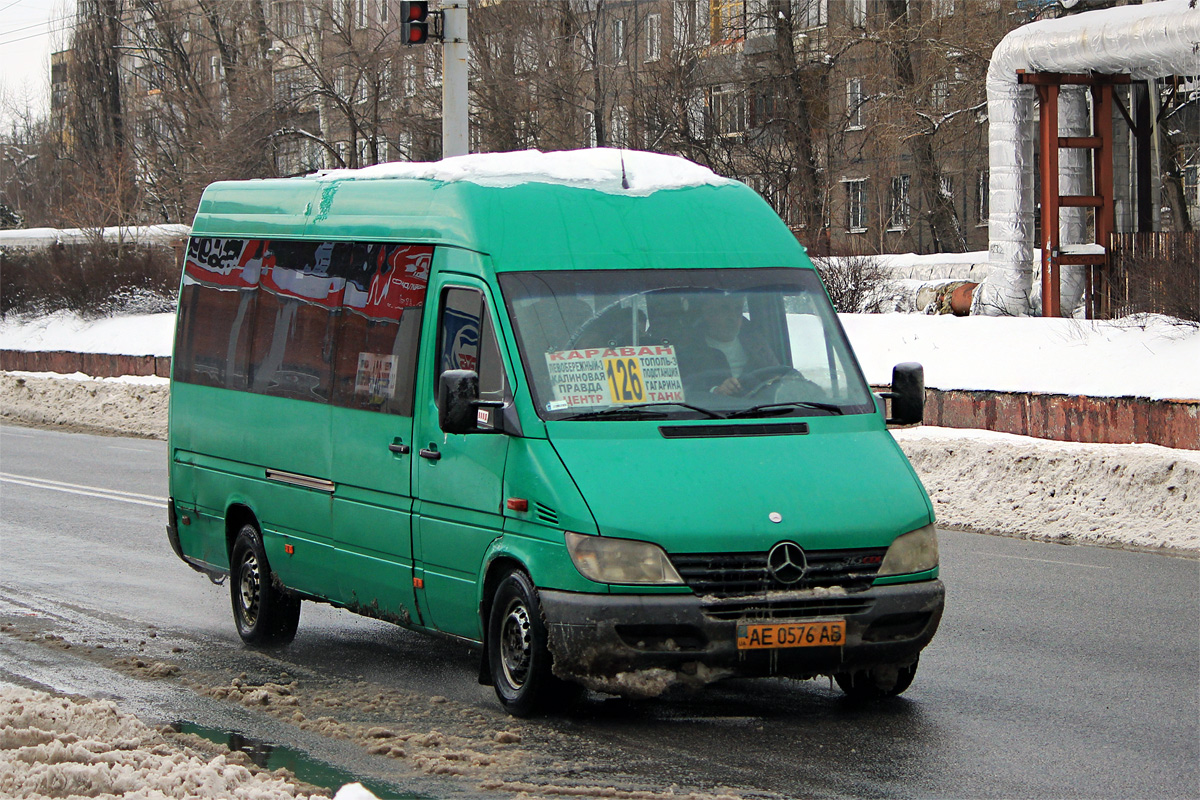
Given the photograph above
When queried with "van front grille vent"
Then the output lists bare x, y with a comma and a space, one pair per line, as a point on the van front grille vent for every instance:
545, 513
788, 607
739, 574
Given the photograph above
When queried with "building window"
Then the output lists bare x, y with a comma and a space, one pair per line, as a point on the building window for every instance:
942, 8
939, 96
901, 209
946, 187
812, 13
727, 19
433, 67
653, 37
410, 79
620, 128
337, 13
858, 13
383, 12
590, 122
216, 69
854, 103
728, 110
856, 206
683, 22
618, 41
361, 18
289, 19
981, 197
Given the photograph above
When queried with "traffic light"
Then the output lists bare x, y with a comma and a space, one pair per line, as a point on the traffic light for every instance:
414, 21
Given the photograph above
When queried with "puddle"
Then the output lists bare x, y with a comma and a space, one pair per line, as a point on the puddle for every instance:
304, 767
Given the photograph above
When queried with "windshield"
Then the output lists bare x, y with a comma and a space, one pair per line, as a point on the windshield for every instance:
629, 344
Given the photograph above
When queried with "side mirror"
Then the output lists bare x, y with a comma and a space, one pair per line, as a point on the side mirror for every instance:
458, 389
907, 394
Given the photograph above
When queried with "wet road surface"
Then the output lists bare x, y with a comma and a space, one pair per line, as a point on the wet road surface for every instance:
1058, 671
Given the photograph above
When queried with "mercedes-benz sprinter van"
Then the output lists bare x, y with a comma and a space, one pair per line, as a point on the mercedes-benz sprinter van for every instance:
592, 412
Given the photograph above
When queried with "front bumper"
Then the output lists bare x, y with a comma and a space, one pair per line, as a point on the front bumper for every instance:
641, 645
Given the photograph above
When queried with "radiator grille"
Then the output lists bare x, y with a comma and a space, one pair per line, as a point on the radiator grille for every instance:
740, 574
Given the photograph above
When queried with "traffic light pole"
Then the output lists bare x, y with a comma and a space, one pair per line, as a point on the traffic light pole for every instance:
455, 139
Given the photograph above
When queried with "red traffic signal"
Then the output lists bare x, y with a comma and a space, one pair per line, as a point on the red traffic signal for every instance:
414, 21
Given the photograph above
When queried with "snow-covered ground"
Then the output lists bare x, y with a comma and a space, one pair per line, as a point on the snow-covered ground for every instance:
74, 747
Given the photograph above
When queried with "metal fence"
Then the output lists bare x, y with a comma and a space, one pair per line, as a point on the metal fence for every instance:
1155, 273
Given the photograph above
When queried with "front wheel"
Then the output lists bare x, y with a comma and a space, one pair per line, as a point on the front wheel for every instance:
265, 616
877, 682
518, 659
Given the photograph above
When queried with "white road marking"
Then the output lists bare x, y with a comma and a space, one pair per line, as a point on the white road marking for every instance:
1049, 561
87, 491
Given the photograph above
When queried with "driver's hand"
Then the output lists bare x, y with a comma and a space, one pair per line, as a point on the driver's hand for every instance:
731, 387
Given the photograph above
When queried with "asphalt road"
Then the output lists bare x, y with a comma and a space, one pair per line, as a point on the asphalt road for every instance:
1058, 671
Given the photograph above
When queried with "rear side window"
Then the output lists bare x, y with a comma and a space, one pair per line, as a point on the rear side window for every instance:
295, 321
380, 325
216, 311
329, 322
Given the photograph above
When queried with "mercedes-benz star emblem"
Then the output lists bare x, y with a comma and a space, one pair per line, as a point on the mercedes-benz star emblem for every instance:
786, 562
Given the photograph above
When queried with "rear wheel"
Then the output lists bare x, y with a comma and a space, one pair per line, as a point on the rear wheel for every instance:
265, 616
519, 661
877, 682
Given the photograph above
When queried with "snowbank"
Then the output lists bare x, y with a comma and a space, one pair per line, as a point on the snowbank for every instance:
126, 406
68, 747
1121, 495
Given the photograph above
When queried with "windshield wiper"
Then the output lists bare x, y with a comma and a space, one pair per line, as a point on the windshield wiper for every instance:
641, 411
758, 411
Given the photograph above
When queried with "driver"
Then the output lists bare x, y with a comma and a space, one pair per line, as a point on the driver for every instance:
722, 349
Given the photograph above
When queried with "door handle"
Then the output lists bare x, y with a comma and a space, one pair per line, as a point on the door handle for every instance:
397, 447
430, 452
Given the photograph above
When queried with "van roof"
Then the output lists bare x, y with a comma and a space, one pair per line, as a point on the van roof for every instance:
571, 210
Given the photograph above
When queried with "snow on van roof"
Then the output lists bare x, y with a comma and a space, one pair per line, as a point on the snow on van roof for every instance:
600, 168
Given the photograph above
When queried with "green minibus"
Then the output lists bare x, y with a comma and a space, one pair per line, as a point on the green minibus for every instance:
591, 412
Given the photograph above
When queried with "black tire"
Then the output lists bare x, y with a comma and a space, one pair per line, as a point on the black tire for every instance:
264, 615
877, 683
518, 659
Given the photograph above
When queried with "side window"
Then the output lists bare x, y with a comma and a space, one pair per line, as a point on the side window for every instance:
467, 340
380, 323
295, 318
217, 305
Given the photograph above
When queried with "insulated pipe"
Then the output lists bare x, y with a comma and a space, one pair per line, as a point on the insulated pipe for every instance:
1074, 177
1143, 41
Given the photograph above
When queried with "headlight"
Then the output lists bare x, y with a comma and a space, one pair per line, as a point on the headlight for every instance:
605, 560
915, 551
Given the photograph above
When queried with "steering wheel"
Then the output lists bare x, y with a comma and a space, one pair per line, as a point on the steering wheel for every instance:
761, 379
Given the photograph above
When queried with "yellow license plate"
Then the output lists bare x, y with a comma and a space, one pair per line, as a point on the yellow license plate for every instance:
771, 635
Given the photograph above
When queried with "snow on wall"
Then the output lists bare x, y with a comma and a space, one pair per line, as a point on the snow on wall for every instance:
1143, 41
44, 237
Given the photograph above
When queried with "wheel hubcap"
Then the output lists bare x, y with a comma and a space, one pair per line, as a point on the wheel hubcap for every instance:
516, 647
249, 588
